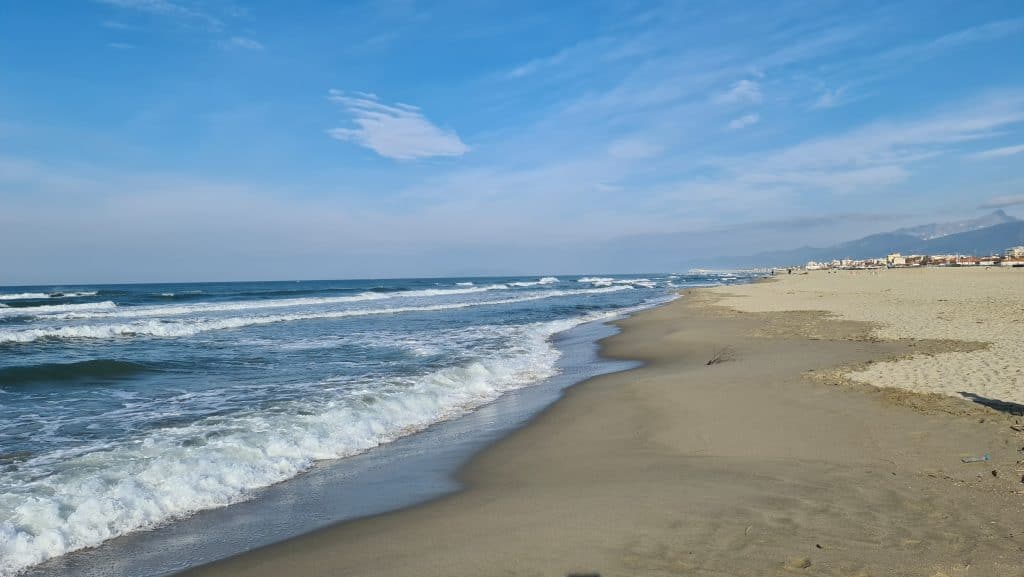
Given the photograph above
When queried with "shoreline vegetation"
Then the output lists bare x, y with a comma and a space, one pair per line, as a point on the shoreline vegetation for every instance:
747, 444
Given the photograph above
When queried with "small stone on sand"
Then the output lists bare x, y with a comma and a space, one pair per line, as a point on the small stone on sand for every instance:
798, 563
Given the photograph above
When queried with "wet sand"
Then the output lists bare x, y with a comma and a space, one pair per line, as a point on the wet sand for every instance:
766, 462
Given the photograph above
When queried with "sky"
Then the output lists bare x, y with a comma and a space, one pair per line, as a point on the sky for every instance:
180, 140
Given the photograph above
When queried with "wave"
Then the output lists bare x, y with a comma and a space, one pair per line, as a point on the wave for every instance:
109, 310
609, 281
27, 296
176, 471
544, 281
307, 291
181, 294
190, 327
44, 310
24, 295
70, 295
103, 369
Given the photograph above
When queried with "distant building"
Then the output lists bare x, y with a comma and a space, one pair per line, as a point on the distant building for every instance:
1014, 257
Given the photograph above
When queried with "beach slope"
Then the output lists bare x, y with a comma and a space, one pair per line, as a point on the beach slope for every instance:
735, 450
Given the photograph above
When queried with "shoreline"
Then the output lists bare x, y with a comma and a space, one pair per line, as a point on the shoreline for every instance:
405, 473
744, 466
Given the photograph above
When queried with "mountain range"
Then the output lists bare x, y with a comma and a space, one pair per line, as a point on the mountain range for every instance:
940, 229
989, 234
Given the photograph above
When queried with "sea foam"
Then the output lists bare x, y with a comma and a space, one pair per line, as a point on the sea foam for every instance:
80, 308
51, 506
26, 296
23, 296
544, 281
105, 310
191, 327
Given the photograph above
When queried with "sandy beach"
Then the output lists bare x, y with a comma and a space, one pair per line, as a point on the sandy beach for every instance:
982, 308
807, 425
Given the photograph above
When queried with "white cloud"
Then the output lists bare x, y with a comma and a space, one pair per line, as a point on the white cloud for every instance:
983, 33
840, 180
165, 8
744, 121
831, 99
117, 25
999, 152
244, 43
152, 6
1004, 201
583, 54
539, 64
743, 91
398, 131
881, 153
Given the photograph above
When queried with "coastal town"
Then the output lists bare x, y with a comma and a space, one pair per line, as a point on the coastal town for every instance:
1012, 257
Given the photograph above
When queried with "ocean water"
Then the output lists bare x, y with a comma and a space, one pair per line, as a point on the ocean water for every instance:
127, 407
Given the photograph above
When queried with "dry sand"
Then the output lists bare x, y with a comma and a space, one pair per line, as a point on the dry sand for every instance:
743, 467
975, 305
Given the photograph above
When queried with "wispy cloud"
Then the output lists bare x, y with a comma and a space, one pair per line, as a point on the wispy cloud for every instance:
1004, 201
875, 67
117, 25
742, 92
999, 152
537, 64
120, 45
244, 43
878, 154
982, 33
744, 121
166, 8
831, 98
398, 131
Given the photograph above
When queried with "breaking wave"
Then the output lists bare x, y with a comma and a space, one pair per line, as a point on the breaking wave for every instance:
80, 308
176, 471
27, 296
190, 327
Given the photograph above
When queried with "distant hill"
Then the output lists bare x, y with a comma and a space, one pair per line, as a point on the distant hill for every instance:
937, 230
982, 241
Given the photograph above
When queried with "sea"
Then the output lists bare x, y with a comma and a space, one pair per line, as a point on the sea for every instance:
131, 408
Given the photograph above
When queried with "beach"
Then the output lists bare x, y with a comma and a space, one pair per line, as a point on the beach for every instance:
979, 312
770, 431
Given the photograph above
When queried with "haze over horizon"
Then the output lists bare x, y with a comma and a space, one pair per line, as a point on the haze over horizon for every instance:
175, 140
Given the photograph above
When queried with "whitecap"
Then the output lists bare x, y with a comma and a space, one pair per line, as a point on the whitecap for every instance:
43, 310
192, 326
81, 500
23, 296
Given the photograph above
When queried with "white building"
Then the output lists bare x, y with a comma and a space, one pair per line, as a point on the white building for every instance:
896, 259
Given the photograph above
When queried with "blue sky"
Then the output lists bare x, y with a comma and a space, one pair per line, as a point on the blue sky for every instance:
146, 140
